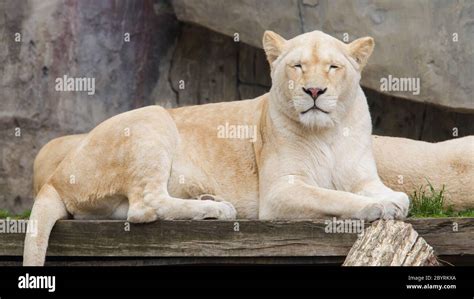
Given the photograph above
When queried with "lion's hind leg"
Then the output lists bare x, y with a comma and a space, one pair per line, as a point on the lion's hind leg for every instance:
158, 204
150, 169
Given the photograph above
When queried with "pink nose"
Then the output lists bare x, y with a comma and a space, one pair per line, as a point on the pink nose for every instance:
314, 92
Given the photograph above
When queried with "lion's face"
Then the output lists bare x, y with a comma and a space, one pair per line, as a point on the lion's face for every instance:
316, 75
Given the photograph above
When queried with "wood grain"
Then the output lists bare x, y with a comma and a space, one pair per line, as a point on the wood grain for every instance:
391, 243
220, 239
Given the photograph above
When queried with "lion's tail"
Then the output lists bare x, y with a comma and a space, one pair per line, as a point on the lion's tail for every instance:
47, 209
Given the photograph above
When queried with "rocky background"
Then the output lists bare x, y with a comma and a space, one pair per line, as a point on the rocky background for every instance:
213, 47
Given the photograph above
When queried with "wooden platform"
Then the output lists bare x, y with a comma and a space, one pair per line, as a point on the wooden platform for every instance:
244, 242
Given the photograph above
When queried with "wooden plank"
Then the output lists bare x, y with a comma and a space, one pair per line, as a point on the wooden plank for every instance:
220, 239
448, 236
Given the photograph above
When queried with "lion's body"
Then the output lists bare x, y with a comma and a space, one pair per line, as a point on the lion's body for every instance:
403, 164
203, 162
307, 153
407, 165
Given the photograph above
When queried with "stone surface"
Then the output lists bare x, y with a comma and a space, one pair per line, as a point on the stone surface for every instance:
413, 38
393, 116
217, 70
78, 39
204, 74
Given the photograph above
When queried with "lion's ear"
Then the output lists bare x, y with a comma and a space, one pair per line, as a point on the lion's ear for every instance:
361, 49
273, 45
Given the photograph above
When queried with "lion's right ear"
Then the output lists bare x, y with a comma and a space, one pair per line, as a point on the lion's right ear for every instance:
273, 45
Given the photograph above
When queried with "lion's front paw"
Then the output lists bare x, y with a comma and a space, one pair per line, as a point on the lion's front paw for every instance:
393, 206
397, 205
370, 212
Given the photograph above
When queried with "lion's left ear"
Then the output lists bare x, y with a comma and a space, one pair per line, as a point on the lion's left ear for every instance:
361, 49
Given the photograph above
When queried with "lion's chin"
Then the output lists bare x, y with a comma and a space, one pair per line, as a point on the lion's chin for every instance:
315, 119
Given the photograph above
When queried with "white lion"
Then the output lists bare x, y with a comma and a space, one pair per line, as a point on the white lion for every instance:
312, 156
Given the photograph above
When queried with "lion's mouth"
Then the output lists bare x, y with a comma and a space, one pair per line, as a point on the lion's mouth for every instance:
315, 108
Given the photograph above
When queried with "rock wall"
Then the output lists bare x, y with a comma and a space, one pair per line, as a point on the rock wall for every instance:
208, 67
166, 62
44, 40
429, 40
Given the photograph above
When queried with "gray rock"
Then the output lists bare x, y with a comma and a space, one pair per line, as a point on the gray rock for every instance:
78, 39
413, 38
204, 73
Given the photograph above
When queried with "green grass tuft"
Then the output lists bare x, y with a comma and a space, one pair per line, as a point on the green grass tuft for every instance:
6, 214
429, 202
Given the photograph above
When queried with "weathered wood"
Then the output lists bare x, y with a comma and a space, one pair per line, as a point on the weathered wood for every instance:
189, 238
73, 238
391, 243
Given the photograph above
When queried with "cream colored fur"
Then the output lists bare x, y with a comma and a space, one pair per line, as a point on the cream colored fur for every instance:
153, 163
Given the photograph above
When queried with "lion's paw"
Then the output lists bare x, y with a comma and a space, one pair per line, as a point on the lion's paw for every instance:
221, 210
393, 206
370, 212
397, 205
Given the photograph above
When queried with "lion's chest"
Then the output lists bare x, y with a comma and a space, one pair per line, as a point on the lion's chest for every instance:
332, 164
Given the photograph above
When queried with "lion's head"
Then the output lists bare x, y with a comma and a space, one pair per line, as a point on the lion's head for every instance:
315, 76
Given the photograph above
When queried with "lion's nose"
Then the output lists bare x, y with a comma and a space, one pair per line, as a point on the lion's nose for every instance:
314, 92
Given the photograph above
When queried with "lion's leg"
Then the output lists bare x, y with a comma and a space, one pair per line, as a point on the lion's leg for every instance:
148, 192
153, 202
168, 208
283, 200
